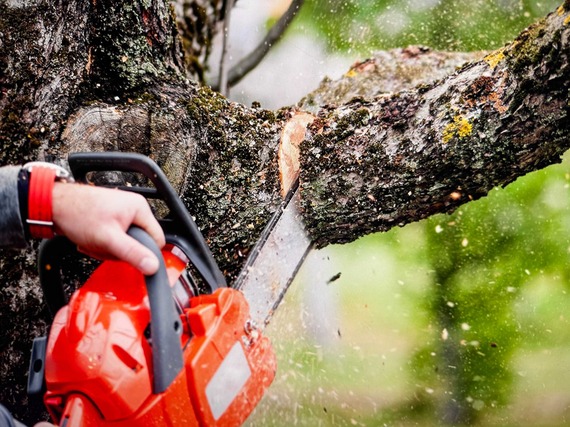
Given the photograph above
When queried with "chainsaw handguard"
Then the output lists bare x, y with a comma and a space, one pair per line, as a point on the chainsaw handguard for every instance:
178, 222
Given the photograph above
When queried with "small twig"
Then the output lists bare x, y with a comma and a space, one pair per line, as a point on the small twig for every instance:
223, 82
240, 70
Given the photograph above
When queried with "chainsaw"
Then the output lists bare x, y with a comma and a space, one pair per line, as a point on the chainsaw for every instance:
178, 348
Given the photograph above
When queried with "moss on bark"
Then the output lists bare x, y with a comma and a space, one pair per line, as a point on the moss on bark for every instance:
233, 185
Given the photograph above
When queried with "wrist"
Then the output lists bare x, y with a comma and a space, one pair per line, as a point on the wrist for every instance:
41, 179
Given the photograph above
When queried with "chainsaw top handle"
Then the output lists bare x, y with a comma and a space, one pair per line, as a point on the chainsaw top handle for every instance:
179, 222
165, 325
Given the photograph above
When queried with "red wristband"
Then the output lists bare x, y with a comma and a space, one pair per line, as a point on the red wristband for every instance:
40, 222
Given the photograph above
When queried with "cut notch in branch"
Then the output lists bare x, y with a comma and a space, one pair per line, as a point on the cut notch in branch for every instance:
292, 135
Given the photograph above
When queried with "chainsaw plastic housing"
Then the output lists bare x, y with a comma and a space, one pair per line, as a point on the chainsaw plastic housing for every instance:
99, 356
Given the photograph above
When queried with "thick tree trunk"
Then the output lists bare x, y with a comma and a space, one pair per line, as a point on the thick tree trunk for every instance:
106, 75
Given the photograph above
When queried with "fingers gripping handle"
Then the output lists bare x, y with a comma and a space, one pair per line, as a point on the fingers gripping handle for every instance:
165, 326
181, 222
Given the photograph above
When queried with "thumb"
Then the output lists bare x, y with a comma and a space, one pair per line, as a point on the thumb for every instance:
125, 248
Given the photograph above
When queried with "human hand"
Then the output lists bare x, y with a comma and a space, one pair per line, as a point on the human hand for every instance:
96, 220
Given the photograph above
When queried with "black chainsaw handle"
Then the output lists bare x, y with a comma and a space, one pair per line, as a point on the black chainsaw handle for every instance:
165, 325
180, 221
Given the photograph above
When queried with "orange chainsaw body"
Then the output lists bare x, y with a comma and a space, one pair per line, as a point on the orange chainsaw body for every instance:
98, 363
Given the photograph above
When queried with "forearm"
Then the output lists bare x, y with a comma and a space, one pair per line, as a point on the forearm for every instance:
11, 228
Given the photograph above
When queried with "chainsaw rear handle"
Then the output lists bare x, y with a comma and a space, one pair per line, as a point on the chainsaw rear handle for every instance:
180, 221
165, 325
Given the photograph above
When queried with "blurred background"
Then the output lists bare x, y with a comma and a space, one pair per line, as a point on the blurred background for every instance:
457, 320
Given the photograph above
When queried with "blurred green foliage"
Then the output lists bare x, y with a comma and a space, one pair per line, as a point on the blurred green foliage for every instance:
459, 319
483, 257
362, 26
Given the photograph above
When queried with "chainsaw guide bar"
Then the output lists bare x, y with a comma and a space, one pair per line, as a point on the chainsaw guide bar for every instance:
275, 260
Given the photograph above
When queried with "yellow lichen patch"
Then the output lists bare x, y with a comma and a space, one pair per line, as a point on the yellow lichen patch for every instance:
494, 58
460, 128
464, 128
561, 11
351, 73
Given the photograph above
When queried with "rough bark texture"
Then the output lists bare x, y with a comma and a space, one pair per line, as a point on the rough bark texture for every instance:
388, 71
370, 164
105, 75
199, 21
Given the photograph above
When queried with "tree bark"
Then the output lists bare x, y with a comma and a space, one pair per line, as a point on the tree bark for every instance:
104, 75
371, 164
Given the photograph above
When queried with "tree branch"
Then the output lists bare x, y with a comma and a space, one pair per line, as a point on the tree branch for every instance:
242, 68
198, 23
372, 164
389, 71
223, 81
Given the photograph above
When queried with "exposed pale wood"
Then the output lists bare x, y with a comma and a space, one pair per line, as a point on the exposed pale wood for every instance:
291, 137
